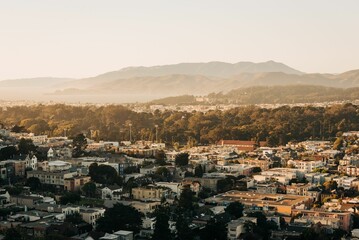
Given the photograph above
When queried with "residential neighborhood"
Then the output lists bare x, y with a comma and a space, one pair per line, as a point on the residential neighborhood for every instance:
72, 187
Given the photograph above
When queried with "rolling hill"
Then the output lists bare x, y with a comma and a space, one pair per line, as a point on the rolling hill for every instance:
269, 95
148, 83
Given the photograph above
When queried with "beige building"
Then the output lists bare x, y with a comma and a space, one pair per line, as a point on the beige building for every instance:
148, 193
299, 189
52, 178
91, 215
282, 203
263, 164
76, 183
342, 220
207, 182
29, 201
145, 207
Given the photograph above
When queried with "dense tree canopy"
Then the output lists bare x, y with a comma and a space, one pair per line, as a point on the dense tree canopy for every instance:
120, 217
235, 209
70, 197
26, 146
187, 199
198, 171
162, 230
214, 230
181, 159
102, 174
89, 189
276, 126
79, 144
7, 152
34, 183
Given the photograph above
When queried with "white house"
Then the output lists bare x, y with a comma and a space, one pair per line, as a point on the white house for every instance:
50, 153
175, 187
307, 166
111, 192
31, 162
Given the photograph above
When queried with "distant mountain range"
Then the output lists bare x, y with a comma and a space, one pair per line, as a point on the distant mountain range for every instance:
269, 95
42, 82
148, 83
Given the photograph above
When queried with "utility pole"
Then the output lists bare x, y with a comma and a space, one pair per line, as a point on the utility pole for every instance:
130, 124
156, 126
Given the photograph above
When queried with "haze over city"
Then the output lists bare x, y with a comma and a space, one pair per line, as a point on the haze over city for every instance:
85, 38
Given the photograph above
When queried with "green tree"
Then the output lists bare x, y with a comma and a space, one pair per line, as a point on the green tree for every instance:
182, 159
163, 172
184, 232
74, 218
235, 209
160, 157
120, 217
26, 146
198, 171
162, 230
214, 230
256, 170
263, 226
14, 190
34, 183
205, 193
89, 189
103, 174
7, 152
314, 233
224, 185
18, 129
13, 233
330, 185
187, 199
79, 144
70, 197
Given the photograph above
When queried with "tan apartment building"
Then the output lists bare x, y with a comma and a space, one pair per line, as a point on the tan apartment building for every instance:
52, 178
342, 220
149, 193
91, 215
263, 164
76, 183
282, 203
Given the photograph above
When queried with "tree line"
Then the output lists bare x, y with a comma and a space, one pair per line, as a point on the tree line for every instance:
276, 126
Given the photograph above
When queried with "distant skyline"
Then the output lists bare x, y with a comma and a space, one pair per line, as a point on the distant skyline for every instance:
84, 38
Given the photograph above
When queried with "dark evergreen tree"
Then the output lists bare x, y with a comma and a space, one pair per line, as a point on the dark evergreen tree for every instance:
182, 159
120, 217
235, 209
198, 171
34, 183
162, 230
214, 230
183, 230
79, 144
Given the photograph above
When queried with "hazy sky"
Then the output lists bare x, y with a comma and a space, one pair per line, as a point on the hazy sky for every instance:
79, 38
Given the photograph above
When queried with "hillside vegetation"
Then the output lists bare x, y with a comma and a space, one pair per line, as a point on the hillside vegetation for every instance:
276, 126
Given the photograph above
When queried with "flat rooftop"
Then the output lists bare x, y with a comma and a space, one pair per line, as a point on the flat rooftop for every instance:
251, 198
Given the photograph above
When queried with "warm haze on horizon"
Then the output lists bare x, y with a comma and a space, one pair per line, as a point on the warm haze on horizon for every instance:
81, 38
